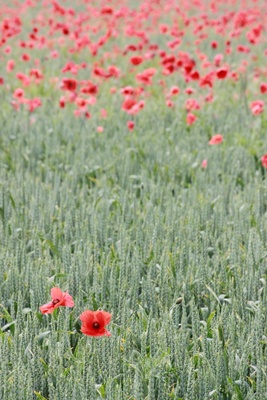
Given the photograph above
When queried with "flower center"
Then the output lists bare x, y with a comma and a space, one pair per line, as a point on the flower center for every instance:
96, 325
55, 301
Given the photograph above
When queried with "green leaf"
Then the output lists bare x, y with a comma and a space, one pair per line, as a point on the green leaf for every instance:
235, 388
12, 201
2, 214
210, 318
51, 245
10, 324
213, 293
6, 315
46, 367
39, 396
101, 390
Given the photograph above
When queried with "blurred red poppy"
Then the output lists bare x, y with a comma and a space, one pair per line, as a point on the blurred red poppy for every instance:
216, 139
130, 125
190, 119
263, 87
264, 161
136, 60
69, 84
257, 107
204, 164
222, 73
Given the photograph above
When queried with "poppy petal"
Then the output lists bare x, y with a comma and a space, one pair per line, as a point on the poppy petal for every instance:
87, 317
104, 316
68, 300
93, 332
47, 308
56, 293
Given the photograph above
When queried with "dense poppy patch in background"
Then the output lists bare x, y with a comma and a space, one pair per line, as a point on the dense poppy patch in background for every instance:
74, 56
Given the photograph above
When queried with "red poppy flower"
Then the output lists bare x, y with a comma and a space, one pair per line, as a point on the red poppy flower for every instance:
207, 80
264, 161
62, 102
128, 104
169, 103
18, 93
189, 91
263, 87
214, 45
69, 84
10, 65
136, 60
216, 139
174, 90
59, 298
194, 75
25, 57
190, 119
204, 163
218, 59
191, 104
257, 107
222, 73
130, 125
94, 322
